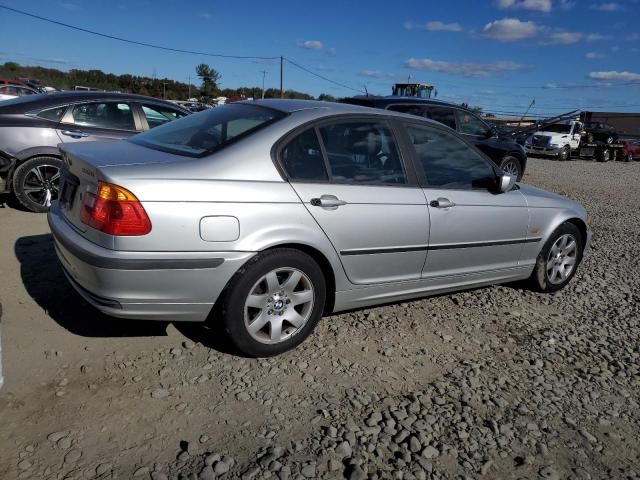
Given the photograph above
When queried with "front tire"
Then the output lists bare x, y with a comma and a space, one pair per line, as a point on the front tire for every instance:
512, 166
565, 154
558, 260
36, 183
273, 302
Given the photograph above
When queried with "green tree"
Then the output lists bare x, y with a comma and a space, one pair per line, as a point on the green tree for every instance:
210, 78
325, 97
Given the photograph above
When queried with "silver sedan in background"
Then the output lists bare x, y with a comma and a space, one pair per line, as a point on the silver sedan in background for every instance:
266, 215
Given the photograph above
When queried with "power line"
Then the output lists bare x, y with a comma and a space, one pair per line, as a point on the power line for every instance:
134, 42
323, 77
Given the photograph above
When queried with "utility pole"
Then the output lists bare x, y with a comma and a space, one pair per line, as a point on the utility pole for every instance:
164, 89
264, 74
189, 86
281, 77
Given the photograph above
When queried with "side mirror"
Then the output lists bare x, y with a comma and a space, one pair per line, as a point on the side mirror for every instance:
506, 182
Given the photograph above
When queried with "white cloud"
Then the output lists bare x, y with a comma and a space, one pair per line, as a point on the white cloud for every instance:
565, 38
331, 51
434, 26
311, 44
606, 6
535, 5
596, 37
467, 69
615, 75
375, 74
204, 15
567, 4
509, 30
594, 55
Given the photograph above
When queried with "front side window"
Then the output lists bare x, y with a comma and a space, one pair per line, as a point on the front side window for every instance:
469, 124
302, 158
208, 131
111, 115
157, 116
362, 153
447, 161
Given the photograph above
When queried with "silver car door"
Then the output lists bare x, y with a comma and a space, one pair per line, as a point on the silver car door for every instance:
352, 179
99, 120
473, 228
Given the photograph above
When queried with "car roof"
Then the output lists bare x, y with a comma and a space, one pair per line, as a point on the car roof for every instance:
392, 99
45, 100
294, 105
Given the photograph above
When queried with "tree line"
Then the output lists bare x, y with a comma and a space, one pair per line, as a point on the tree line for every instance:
151, 86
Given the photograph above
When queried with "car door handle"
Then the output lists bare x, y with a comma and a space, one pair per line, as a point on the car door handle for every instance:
442, 203
330, 202
74, 133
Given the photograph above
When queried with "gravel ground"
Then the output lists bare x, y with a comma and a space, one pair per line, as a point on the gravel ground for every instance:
499, 382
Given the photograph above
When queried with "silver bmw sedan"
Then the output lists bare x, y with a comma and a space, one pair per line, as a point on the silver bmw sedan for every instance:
266, 215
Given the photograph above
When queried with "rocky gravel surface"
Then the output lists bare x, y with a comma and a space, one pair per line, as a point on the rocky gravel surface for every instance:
500, 382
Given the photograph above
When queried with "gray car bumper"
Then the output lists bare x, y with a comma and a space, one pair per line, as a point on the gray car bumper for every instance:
169, 286
547, 151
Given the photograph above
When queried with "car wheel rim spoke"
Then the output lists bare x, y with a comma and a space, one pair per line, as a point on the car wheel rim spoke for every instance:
41, 184
562, 259
278, 305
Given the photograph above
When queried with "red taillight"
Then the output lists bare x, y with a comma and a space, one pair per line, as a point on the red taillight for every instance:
114, 210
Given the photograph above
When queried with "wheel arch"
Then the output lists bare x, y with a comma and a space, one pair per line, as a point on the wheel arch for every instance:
325, 266
28, 154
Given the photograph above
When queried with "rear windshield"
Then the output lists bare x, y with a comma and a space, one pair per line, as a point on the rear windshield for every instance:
206, 132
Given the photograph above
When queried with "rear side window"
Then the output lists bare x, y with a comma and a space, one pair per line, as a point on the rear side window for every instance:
54, 114
205, 132
362, 153
157, 116
302, 158
110, 115
447, 161
441, 115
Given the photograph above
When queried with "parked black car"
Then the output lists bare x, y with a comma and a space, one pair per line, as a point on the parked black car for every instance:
505, 152
599, 132
32, 127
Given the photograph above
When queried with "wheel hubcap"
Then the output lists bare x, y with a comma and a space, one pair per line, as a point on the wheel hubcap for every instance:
562, 259
278, 305
41, 184
511, 168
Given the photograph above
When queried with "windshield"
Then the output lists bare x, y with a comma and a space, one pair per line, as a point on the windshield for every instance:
558, 128
206, 132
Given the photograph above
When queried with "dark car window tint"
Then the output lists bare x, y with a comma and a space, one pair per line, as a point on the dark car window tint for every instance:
442, 115
362, 152
54, 114
112, 115
157, 116
447, 161
410, 109
302, 158
205, 132
471, 125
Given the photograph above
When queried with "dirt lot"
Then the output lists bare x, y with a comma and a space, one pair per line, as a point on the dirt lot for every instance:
494, 383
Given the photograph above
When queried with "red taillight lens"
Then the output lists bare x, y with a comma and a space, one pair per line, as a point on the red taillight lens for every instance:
114, 210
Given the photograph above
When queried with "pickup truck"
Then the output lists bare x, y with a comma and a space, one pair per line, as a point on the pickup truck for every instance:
556, 140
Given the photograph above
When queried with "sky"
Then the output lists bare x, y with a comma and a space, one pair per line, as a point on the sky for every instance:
497, 54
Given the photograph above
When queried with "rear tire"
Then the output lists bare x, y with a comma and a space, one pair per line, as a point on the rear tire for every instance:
273, 302
604, 155
36, 183
512, 166
558, 260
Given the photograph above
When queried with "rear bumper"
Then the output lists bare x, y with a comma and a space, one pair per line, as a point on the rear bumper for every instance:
169, 286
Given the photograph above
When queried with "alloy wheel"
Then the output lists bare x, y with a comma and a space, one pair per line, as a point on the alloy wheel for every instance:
279, 305
41, 184
562, 258
511, 168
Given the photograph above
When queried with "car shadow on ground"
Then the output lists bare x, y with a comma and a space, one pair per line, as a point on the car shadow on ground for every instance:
46, 283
